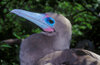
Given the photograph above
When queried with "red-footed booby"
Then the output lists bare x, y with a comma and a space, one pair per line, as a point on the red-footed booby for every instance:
56, 36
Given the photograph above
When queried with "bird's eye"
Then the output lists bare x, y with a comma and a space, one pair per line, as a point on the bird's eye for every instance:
51, 21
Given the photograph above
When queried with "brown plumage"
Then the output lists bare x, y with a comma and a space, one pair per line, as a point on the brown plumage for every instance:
38, 45
70, 57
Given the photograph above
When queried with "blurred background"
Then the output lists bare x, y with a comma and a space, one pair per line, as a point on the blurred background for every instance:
83, 14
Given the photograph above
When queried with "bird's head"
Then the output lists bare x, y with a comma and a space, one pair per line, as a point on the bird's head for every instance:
48, 22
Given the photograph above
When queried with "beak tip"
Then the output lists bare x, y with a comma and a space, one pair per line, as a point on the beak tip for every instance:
14, 10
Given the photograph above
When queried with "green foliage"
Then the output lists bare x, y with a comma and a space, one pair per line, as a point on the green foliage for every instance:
11, 26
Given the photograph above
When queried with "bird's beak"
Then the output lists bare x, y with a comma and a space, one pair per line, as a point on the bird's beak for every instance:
37, 18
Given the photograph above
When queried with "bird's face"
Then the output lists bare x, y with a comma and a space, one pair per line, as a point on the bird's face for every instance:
49, 22
62, 24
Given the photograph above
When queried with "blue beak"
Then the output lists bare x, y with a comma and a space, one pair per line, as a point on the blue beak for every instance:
39, 19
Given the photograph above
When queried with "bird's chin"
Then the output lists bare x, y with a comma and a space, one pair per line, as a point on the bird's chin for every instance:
52, 33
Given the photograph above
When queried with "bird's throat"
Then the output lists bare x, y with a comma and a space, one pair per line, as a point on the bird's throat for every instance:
61, 42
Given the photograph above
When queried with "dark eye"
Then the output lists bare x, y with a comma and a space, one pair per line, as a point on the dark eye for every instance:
51, 21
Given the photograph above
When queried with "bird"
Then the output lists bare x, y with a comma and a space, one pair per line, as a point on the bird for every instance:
56, 35
52, 45
70, 57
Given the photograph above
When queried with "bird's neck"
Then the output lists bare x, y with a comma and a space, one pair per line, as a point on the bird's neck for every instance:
62, 43
59, 41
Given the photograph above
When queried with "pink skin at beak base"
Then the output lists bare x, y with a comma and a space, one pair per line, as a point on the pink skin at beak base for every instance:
49, 30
